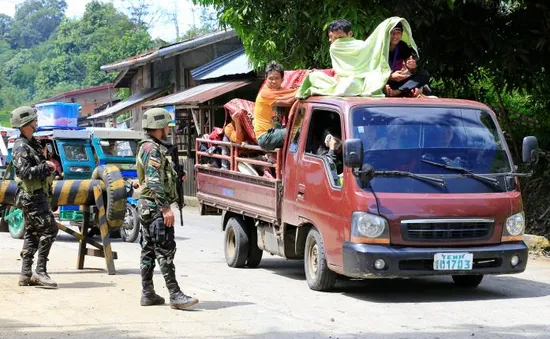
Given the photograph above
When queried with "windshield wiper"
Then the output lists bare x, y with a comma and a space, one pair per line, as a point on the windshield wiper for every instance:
514, 174
464, 171
441, 182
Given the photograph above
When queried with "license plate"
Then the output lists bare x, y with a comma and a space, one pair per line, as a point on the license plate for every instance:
453, 261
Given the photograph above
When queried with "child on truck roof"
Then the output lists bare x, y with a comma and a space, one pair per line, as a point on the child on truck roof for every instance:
267, 119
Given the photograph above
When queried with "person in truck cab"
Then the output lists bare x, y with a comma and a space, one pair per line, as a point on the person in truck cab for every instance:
331, 150
268, 127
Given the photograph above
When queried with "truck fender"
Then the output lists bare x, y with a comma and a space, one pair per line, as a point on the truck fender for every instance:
301, 235
225, 217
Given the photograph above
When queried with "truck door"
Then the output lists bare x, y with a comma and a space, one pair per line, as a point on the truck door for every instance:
290, 170
319, 194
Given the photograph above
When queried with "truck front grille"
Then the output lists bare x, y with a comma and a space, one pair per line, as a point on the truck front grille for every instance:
445, 230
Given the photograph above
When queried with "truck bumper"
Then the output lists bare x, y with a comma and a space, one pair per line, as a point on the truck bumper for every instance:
416, 261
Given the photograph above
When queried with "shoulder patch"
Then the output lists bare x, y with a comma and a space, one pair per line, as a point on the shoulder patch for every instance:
154, 162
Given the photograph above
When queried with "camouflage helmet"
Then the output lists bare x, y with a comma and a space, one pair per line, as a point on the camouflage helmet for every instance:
22, 116
155, 118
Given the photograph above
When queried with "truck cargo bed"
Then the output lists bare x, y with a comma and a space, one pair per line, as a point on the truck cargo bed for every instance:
256, 197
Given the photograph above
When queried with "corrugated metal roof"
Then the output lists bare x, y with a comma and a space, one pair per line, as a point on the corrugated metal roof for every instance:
165, 51
78, 92
232, 63
198, 94
128, 103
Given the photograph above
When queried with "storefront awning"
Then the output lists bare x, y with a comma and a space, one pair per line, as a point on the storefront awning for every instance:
129, 103
197, 95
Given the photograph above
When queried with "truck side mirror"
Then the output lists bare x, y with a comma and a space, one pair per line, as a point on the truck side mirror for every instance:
353, 153
530, 151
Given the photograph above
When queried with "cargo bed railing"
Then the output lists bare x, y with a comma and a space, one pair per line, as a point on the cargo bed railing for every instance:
234, 157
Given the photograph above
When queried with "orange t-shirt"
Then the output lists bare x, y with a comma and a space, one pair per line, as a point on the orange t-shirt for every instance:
234, 136
263, 108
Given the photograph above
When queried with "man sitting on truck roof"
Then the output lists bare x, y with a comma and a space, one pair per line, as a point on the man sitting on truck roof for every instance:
339, 29
405, 78
267, 120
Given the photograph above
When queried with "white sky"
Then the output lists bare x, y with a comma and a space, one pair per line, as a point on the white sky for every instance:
163, 28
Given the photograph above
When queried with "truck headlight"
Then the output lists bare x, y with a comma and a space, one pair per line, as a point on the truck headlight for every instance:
369, 226
515, 225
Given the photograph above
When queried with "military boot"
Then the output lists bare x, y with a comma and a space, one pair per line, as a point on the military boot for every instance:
25, 278
41, 277
151, 299
148, 295
180, 301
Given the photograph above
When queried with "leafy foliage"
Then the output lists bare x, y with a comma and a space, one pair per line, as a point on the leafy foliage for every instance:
35, 21
5, 24
70, 56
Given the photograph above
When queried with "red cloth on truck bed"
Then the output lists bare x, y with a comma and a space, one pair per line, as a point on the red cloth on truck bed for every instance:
294, 78
244, 109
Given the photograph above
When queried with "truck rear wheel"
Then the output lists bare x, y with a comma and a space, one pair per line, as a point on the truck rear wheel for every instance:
236, 244
254, 252
319, 276
468, 281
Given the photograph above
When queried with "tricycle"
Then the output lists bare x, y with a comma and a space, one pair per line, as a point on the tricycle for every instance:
77, 151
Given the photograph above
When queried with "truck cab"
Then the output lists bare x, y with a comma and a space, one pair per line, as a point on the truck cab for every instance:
420, 187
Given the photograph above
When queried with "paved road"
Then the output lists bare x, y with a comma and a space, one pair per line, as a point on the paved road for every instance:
272, 301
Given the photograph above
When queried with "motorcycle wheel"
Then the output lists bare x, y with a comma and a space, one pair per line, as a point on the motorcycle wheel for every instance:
129, 230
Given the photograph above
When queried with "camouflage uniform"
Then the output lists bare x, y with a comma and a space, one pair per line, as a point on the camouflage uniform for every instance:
157, 178
34, 179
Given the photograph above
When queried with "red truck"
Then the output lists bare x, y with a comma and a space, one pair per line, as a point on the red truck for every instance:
420, 187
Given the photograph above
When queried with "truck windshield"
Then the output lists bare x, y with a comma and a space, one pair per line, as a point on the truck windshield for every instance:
399, 138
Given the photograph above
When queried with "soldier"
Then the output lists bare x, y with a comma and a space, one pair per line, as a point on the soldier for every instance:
34, 175
157, 178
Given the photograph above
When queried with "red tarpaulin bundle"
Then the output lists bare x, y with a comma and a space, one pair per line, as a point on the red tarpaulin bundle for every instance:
294, 78
244, 109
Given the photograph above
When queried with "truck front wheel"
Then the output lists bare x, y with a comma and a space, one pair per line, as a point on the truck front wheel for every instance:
236, 244
319, 276
468, 281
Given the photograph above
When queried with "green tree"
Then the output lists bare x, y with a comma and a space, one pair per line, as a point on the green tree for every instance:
20, 69
507, 38
81, 46
5, 24
35, 21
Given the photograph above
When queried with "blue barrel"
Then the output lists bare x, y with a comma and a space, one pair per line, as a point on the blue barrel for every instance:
58, 114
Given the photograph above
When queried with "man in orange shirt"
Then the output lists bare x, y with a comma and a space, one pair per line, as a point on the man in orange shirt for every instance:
267, 122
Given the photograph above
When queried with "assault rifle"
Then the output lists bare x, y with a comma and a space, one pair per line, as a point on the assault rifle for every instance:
173, 150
